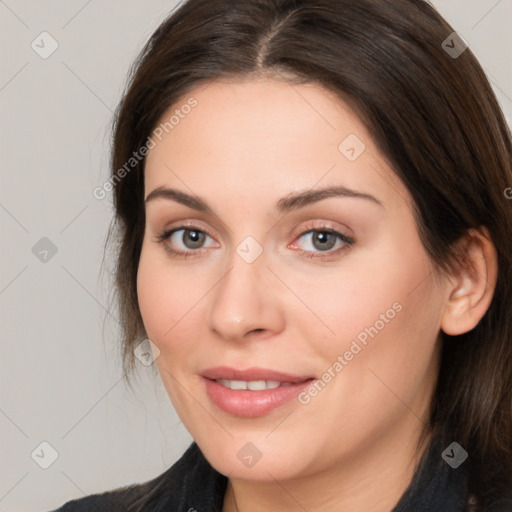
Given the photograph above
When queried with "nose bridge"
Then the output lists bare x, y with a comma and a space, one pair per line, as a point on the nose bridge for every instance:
241, 300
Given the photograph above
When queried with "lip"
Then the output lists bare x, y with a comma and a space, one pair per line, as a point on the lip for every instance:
254, 373
251, 404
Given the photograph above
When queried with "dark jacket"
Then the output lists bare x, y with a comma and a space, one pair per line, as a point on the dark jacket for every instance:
193, 485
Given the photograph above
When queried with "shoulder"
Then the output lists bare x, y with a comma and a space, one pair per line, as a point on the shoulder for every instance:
190, 483
112, 501
116, 500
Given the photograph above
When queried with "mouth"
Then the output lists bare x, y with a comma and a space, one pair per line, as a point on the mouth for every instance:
252, 392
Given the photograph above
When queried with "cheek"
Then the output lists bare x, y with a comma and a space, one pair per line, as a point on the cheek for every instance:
171, 300
386, 361
152, 299
355, 298
159, 302
382, 311
387, 336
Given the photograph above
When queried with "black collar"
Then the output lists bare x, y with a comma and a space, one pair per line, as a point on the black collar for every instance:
436, 485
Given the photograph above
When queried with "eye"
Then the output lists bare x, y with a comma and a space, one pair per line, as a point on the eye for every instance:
313, 242
184, 241
318, 242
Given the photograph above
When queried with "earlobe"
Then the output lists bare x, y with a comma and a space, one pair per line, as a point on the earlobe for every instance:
470, 291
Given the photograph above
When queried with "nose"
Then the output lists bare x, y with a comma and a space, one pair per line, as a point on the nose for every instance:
244, 302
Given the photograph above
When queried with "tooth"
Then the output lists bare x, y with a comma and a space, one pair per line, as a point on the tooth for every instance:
238, 384
252, 385
256, 385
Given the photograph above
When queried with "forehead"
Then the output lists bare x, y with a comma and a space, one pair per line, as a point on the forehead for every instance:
268, 135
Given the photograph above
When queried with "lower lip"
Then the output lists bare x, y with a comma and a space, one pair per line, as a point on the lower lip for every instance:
251, 404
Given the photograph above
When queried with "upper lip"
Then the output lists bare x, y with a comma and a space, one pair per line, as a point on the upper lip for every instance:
251, 374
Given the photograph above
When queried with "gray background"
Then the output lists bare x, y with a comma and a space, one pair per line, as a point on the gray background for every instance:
60, 382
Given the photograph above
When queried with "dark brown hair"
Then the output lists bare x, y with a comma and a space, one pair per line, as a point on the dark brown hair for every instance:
435, 119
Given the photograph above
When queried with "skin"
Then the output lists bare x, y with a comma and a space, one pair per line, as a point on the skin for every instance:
243, 147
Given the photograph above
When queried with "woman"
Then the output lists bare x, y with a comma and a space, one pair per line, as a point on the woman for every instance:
315, 236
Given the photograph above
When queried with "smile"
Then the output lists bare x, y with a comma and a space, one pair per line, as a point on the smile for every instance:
253, 392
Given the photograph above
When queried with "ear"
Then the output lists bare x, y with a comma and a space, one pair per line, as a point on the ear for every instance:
471, 288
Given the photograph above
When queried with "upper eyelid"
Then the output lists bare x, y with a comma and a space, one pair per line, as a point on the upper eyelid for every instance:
197, 225
223, 228
192, 225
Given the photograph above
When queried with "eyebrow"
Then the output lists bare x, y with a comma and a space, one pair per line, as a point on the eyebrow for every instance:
286, 204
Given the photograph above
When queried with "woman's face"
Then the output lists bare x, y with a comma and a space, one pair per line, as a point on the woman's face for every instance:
303, 265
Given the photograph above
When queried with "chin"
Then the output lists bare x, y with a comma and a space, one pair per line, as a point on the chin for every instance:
245, 457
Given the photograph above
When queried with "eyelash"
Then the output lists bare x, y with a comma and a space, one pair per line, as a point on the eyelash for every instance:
347, 241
